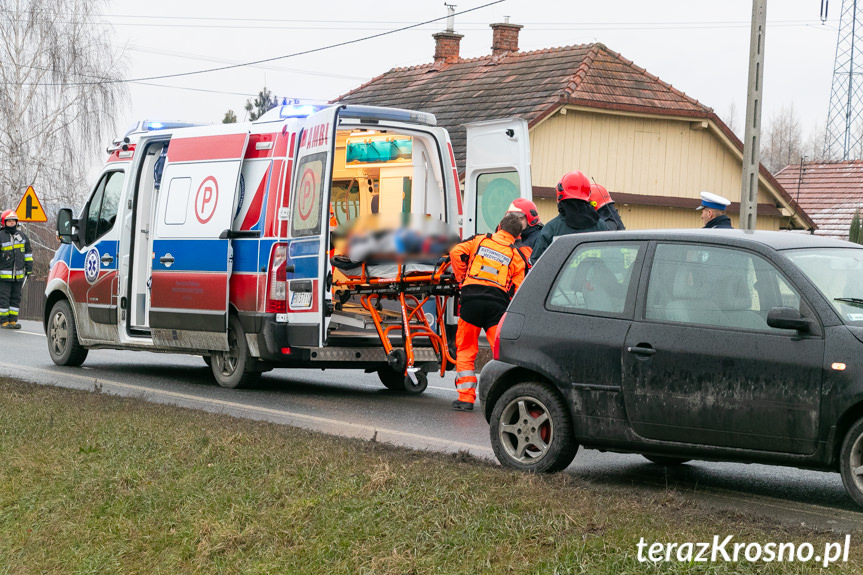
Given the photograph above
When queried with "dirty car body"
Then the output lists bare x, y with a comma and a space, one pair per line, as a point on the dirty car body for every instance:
684, 344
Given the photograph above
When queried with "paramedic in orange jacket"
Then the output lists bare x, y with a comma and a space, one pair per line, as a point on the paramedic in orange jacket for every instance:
489, 269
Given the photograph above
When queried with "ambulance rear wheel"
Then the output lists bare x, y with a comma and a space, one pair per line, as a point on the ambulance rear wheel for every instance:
63, 336
232, 368
392, 380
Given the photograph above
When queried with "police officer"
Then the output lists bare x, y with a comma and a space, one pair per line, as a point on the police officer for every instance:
713, 208
575, 214
16, 263
489, 268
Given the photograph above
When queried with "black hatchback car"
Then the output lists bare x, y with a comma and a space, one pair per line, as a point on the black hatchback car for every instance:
684, 344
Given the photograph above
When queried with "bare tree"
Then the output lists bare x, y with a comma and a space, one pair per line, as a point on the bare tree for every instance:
59, 85
782, 141
730, 116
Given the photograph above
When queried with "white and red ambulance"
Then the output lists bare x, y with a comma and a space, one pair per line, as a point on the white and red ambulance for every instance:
214, 240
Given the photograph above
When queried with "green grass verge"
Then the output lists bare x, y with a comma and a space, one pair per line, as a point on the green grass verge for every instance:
98, 484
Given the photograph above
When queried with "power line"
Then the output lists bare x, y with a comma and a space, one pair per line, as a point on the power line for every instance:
264, 60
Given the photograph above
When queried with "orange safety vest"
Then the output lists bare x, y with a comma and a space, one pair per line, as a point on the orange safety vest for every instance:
489, 263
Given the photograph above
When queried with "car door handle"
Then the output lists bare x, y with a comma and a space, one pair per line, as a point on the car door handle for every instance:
169, 259
641, 350
107, 259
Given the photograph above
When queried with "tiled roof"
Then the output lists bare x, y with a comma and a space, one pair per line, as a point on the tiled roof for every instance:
830, 192
532, 85
529, 85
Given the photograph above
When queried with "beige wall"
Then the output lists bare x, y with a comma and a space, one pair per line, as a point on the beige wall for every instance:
641, 155
650, 217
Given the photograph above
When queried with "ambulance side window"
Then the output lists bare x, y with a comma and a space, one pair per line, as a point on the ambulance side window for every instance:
102, 209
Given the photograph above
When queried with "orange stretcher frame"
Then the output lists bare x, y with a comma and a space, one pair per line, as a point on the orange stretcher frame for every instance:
412, 290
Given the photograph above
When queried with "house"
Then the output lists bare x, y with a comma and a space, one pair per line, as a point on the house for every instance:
588, 108
830, 192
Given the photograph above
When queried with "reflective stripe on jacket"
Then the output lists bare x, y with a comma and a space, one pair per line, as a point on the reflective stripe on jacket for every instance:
16, 259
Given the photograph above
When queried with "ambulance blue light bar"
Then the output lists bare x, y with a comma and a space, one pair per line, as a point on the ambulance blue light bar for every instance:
296, 111
371, 114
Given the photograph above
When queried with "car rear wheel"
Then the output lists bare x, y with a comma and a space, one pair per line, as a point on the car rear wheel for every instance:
531, 429
665, 460
851, 462
232, 368
62, 335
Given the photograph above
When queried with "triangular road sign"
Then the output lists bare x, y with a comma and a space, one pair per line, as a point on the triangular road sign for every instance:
29, 208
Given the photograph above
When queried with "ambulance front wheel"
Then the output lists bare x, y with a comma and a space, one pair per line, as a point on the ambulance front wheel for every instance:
63, 336
233, 368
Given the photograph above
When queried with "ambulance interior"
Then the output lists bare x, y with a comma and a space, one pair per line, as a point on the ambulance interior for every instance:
384, 182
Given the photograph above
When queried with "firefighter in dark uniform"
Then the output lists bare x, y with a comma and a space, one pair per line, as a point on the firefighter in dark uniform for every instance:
575, 214
713, 209
489, 268
527, 211
16, 263
601, 200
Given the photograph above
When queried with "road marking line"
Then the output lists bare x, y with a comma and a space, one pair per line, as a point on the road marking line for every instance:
31, 333
370, 431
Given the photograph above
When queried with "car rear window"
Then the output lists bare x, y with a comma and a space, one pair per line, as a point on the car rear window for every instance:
595, 278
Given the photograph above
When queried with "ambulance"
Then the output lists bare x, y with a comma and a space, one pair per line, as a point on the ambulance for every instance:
215, 240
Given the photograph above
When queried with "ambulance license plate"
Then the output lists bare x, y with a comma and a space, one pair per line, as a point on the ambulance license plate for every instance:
301, 299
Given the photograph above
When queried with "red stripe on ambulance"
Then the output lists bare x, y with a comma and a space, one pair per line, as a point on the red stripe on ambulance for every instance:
202, 148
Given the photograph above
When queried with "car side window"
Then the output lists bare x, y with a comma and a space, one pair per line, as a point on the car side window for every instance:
595, 278
715, 286
102, 209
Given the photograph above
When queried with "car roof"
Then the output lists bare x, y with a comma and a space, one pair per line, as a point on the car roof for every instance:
774, 240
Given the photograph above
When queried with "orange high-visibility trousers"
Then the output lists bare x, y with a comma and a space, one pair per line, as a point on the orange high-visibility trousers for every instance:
467, 346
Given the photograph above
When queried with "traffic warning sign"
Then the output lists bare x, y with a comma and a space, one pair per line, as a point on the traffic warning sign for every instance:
29, 208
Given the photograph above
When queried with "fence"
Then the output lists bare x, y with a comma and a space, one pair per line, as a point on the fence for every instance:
32, 299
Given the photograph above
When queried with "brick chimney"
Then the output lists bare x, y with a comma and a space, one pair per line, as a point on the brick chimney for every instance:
504, 38
446, 46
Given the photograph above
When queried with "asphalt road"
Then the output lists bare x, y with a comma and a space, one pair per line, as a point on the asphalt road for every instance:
351, 403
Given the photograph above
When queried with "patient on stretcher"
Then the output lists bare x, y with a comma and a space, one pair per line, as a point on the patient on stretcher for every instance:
376, 240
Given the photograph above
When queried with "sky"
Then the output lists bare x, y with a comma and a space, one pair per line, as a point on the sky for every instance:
701, 47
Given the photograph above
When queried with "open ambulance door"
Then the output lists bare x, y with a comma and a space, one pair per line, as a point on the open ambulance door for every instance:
191, 250
497, 171
309, 295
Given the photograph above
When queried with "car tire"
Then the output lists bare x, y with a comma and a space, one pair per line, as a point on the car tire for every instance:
392, 380
63, 345
231, 368
665, 460
531, 429
851, 462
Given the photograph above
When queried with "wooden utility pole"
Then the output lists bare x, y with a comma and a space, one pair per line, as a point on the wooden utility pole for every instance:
752, 127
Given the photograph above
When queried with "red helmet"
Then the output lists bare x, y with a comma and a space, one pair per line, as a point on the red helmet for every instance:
8, 214
526, 207
573, 186
599, 196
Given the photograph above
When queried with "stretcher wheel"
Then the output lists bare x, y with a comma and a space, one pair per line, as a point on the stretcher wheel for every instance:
418, 387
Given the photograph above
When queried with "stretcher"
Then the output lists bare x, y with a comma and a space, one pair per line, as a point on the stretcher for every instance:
411, 284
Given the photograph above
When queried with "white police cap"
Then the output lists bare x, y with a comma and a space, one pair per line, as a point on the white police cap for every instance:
713, 201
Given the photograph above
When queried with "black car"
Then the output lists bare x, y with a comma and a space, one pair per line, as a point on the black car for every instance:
684, 344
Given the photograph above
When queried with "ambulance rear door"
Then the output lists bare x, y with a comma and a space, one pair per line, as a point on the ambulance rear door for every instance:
191, 249
497, 171
309, 285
